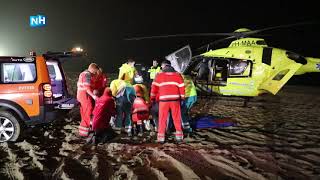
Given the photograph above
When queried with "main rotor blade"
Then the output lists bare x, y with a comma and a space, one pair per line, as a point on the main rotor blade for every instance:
179, 35
278, 27
216, 42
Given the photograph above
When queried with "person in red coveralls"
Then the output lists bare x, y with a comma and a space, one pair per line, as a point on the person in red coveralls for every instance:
104, 109
86, 97
168, 85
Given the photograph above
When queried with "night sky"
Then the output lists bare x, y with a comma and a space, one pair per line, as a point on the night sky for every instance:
100, 27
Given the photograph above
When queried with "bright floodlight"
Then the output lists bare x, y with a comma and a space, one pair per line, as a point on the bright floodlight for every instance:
77, 49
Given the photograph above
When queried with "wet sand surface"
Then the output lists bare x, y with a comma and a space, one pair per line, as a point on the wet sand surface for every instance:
275, 137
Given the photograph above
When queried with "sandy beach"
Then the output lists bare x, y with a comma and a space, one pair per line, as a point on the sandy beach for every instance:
275, 137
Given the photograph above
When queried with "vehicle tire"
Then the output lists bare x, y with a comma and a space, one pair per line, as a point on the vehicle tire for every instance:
9, 127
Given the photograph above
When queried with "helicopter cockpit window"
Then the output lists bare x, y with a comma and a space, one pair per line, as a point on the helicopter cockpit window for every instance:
239, 68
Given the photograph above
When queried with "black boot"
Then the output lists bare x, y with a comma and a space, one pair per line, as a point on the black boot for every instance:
134, 130
140, 129
91, 139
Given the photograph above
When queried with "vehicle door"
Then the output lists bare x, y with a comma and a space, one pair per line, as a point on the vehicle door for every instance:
61, 97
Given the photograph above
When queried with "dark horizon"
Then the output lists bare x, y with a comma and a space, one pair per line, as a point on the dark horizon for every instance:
101, 27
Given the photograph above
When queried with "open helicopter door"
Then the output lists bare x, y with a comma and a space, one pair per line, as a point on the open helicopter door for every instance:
279, 77
180, 58
219, 70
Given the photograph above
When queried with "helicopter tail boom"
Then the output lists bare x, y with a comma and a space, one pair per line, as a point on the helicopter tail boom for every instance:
313, 65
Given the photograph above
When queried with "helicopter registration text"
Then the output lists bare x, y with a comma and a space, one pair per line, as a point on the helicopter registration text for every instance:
244, 43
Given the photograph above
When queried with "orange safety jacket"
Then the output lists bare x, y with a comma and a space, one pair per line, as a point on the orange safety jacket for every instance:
169, 86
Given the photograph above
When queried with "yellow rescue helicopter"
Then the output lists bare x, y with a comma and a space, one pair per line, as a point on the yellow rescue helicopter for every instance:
248, 67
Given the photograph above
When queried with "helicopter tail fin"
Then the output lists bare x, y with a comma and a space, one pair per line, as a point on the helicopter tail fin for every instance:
313, 65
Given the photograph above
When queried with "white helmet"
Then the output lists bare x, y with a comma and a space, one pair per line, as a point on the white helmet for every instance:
138, 79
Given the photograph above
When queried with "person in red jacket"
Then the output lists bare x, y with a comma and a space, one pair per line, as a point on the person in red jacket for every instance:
140, 110
86, 97
104, 109
168, 85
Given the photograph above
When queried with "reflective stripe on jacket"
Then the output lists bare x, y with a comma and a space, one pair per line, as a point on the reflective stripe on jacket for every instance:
140, 110
168, 86
85, 82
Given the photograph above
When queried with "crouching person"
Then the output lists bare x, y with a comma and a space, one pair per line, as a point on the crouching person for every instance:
125, 95
103, 111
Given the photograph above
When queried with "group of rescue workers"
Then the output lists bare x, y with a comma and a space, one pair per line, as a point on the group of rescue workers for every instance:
131, 105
